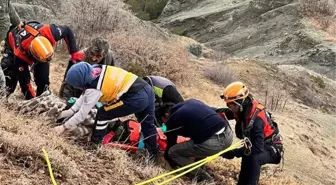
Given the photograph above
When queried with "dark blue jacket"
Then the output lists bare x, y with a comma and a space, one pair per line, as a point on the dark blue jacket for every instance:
193, 119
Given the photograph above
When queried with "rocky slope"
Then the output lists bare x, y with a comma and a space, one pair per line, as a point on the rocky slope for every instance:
273, 31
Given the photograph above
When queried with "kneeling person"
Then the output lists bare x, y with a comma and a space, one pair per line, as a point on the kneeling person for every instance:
208, 133
123, 93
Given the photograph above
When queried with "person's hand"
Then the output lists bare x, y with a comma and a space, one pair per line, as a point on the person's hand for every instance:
77, 56
59, 129
20, 26
65, 114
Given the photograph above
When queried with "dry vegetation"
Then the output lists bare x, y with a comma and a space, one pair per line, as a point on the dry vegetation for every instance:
322, 13
139, 47
144, 51
220, 75
73, 162
145, 55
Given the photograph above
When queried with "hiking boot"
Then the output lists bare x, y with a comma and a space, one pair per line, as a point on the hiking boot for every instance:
204, 177
201, 177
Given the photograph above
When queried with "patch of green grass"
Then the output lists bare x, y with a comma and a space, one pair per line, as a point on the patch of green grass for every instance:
147, 9
179, 31
319, 81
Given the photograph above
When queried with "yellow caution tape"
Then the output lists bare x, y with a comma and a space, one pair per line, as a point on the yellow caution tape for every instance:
192, 166
49, 166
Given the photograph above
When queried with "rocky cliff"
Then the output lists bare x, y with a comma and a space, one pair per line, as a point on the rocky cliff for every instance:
273, 31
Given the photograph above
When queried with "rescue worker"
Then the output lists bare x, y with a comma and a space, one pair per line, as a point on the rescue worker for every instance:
122, 92
8, 15
98, 52
208, 133
165, 92
32, 46
255, 123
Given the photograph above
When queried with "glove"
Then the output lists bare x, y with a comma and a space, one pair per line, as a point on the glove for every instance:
65, 114
77, 56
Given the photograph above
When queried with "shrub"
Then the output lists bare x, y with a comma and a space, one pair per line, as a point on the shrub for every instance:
144, 55
317, 7
140, 47
275, 98
321, 10
92, 18
220, 75
318, 81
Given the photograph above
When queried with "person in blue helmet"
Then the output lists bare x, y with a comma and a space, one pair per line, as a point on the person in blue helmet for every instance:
123, 93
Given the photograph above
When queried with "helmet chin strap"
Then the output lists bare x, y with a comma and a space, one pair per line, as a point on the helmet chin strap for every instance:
240, 105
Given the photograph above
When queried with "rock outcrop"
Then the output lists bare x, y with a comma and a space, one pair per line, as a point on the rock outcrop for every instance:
273, 31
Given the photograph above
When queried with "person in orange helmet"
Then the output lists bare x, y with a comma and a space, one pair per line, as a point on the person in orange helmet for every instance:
256, 124
31, 45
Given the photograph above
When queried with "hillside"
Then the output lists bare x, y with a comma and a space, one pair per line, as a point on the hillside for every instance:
277, 31
301, 100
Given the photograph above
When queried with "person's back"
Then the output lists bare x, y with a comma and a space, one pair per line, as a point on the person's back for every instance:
198, 121
208, 133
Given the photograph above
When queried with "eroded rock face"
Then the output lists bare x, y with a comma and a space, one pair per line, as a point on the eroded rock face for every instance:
29, 12
175, 6
268, 30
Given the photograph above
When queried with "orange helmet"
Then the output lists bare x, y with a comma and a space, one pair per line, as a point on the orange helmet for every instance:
41, 49
235, 91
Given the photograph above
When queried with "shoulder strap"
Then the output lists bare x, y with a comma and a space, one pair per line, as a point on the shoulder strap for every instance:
34, 32
251, 122
31, 30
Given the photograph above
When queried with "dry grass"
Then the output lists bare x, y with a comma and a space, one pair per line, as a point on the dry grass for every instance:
22, 139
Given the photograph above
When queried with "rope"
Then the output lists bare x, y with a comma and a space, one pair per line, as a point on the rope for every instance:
49, 166
192, 166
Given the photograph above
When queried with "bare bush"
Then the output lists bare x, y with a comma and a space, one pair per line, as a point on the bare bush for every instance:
92, 18
220, 75
317, 7
140, 46
144, 55
321, 10
327, 21
275, 98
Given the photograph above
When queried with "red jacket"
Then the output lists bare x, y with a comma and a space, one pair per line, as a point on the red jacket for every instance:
19, 40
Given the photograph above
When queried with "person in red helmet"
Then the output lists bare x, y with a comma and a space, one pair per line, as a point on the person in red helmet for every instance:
31, 45
256, 124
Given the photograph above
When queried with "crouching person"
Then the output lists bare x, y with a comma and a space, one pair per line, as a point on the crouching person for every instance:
208, 133
254, 122
122, 92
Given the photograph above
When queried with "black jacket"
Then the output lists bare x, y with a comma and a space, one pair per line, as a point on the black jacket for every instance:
193, 119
